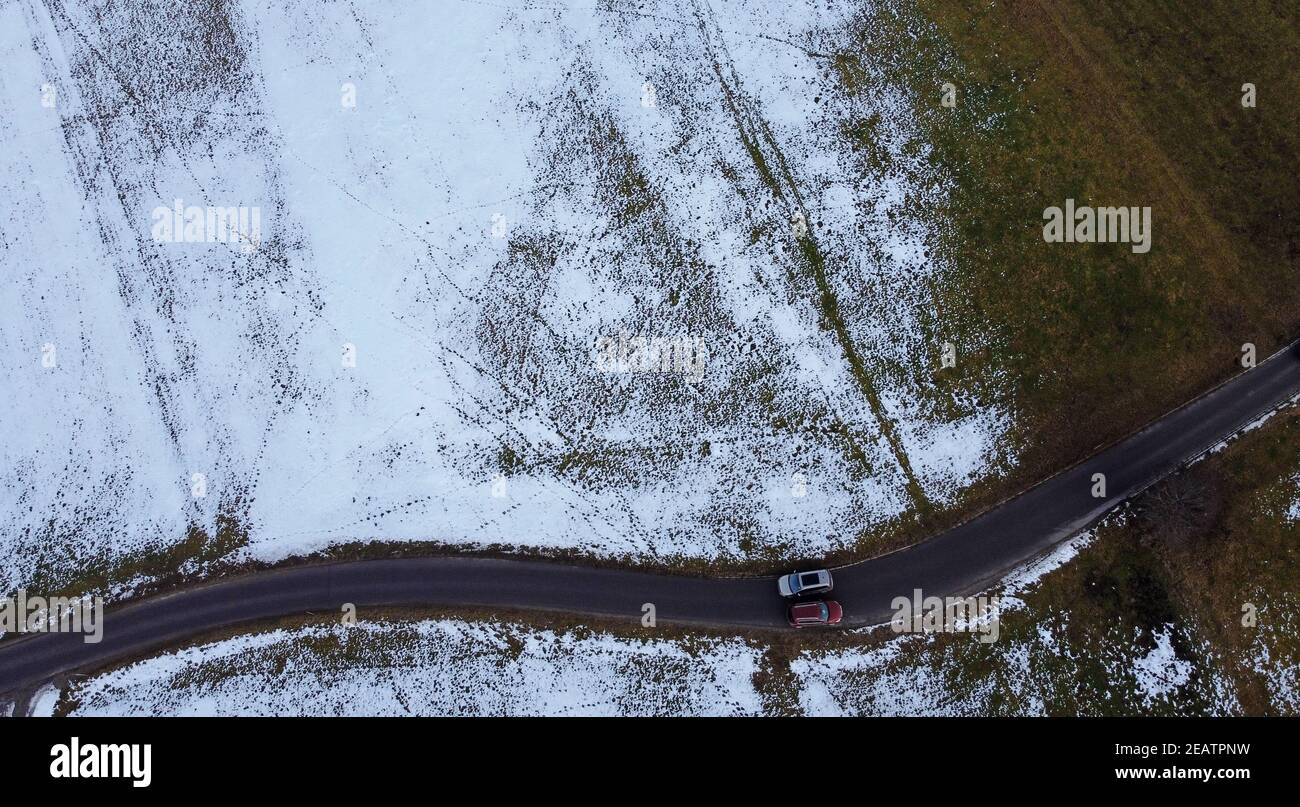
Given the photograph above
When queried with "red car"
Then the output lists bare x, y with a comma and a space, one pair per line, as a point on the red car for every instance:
809, 614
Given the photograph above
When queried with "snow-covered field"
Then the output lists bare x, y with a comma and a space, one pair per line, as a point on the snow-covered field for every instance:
447, 206
442, 667
451, 667
1033, 676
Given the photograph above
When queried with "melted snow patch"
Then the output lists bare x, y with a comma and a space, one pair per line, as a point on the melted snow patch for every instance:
1293, 512
1160, 673
1270, 653
1283, 680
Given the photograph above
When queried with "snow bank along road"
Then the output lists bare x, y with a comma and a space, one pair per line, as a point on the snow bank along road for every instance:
961, 561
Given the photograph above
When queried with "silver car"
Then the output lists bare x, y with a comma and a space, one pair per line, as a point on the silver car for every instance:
805, 584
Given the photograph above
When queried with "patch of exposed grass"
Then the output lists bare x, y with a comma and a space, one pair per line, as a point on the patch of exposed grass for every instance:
159, 569
1245, 558
1108, 104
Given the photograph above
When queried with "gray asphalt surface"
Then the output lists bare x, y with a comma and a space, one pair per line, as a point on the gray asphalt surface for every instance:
964, 560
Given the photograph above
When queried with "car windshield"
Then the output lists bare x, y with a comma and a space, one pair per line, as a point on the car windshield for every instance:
826, 612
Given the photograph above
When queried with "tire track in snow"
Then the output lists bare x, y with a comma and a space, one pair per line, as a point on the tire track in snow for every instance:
758, 141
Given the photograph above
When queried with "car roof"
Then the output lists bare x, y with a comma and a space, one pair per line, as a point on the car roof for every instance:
806, 610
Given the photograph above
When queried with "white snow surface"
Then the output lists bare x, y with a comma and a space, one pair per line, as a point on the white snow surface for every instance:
454, 667
436, 667
499, 198
1293, 510
1160, 673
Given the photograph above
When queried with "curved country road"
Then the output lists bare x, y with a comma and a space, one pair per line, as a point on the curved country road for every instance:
963, 560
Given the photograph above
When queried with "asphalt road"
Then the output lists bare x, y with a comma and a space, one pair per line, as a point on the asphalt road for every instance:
964, 560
